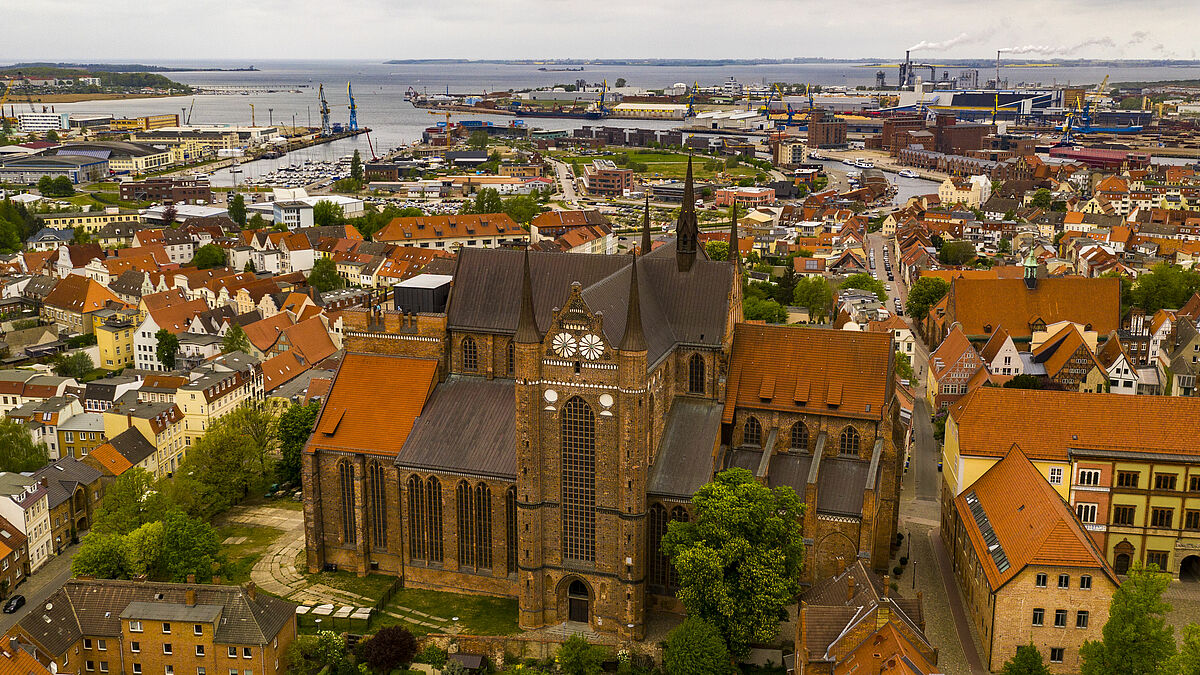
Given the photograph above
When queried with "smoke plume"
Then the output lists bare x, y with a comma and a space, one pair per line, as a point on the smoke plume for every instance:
1050, 50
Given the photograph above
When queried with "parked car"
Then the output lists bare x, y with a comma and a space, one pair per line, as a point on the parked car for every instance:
14, 603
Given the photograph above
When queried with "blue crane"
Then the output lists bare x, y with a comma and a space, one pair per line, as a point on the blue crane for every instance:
353, 126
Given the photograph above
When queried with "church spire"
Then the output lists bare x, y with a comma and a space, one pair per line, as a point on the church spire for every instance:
634, 339
735, 254
647, 244
687, 232
527, 330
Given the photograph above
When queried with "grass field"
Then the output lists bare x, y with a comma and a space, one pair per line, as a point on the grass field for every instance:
241, 557
477, 614
673, 165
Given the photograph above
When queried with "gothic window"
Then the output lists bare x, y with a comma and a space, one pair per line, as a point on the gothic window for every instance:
466, 529
848, 445
799, 436
470, 354
482, 520
346, 481
510, 514
578, 433
425, 519
376, 506
662, 573
696, 374
512, 359
752, 433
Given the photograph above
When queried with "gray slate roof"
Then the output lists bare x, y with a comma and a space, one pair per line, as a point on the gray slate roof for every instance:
684, 461
468, 426
132, 445
64, 476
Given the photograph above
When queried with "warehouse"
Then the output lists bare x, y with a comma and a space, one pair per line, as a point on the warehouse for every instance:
79, 169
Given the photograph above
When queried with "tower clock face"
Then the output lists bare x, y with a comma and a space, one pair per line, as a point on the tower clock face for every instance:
564, 345
591, 347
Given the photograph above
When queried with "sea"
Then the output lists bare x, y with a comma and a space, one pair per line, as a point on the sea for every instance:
379, 90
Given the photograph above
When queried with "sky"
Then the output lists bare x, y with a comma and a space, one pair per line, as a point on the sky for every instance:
179, 30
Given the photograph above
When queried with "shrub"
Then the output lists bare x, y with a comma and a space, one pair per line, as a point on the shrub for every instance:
433, 655
897, 570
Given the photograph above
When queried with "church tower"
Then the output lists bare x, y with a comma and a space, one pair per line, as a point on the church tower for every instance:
687, 231
527, 354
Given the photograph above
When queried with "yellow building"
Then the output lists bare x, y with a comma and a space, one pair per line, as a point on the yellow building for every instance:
228, 382
90, 221
114, 338
148, 435
145, 122
80, 434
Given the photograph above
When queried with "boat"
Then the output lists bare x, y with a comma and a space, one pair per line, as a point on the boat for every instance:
813, 154
849, 161
909, 173
864, 164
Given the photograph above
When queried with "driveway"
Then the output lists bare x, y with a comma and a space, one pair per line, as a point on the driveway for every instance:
39, 586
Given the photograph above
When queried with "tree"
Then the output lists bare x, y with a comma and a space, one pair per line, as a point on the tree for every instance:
235, 340
356, 168
256, 222
130, 502
904, 366
866, 282
739, 560
1041, 199
486, 200
1164, 287
694, 646
814, 294
759, 309
1024, 382
63, 187
522, 208
168, 347
1027, 661
295, 427
1005, 244
924, 294
256, 421
144, 550
324, 276
391, 647
169, 214
327, 213
717, 249
237, 209
209, 256
75, 364
52, 135
1136, 640
1188, 660
956, 253
18, 452
577, 656
619, 83
478, 140
102, 556
219, 470
190, 546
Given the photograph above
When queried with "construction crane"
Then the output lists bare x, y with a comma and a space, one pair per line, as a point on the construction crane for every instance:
326, 128
353, 126
691, 109
766, 108
189, 112
252, 115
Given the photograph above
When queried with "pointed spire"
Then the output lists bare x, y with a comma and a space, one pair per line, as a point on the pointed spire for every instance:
734, 253
527, 330
687, 231
647, 244
634, 339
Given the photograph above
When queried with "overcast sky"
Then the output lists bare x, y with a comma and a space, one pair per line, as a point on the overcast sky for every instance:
138, 30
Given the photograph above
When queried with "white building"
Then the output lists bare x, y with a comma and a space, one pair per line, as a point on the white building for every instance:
40, 123
25, 503
1001, 356
293, 214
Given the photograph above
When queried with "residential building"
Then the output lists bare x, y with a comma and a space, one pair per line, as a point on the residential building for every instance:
1028, 571
25, 503
750, 197
14, 558
902, 336
169, 311
952, 367
148, 435
604, 179
1121, 370
73, 490
114, 339
451, 232
1178, 360
91, 221
970, 192
293, 214
116, 626
1069, 361
80, 434
1000, 354
223, 384
74, 300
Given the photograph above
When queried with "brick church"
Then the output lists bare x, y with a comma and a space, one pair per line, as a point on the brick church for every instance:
535, 438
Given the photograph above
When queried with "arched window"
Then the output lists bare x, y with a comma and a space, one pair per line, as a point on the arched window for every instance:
376, 506
346, 482
662, 573
425, 519
482, 518
512, 359
799, 436
466, 528
696, 374
848, 444
510, 514
470, 354
578, 433
752, 433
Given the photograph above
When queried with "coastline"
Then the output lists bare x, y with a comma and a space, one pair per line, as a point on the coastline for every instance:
83, 98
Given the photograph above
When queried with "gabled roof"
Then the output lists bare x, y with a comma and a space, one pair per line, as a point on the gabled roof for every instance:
413, 228
1111, 351
80, 294
1014, 518
310, 340
176, 317
1057, 351
975, 303
949, 353
265, 332
281, 369
994, 345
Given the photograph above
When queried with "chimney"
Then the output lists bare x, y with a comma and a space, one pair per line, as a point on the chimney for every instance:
45, 482
128, 419
251, 590
850, 588
887, 586
190, 596
191, 578
216, 579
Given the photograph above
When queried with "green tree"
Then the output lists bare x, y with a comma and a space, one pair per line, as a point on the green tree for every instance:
759, 309
209, 256
1188, 660
1024, 381
144, 550
739, 560
1005, 244
904, 367
324, 276
169, 214
619, 83
167, 348
924, 294
327, 213
75, 364
130, 502
18, 452
219, 470
356, 168
63, 187
1164, 287
521, 208
814, 294
237, 209
256, 222
190, 546
1027, 661
956, 253
1136, 640
295, 427
1041, 199
866, 282
486, 200
717, 249
391, 647
577, 656
694, 646
478, 140
102, 556
235, 340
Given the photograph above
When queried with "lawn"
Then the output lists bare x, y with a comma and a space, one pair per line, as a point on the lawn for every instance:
371, 586
241, 557
673, 165
477, 614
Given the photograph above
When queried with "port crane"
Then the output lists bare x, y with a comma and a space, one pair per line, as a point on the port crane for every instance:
252, 115
691, 109
353, 126
603, 91
326, 128
188, 119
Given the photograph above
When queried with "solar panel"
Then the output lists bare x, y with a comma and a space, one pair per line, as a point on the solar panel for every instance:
988, 534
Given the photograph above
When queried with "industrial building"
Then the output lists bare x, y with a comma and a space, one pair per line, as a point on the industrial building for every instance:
122, 156
78, 168
41, 122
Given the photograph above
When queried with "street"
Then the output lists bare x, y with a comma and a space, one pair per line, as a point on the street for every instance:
39, 586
